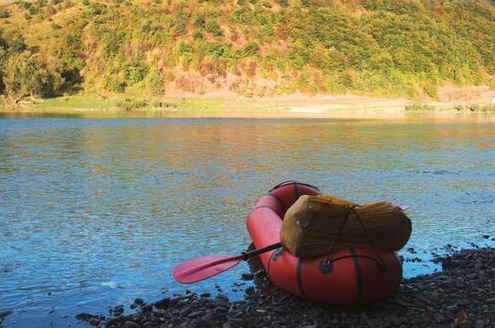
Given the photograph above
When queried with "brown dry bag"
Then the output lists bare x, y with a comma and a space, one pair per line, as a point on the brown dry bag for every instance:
316, 225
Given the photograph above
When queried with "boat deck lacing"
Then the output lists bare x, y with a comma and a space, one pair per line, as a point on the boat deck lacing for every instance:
382, 266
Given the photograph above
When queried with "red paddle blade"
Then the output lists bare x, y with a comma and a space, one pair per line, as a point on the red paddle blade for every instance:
202, 268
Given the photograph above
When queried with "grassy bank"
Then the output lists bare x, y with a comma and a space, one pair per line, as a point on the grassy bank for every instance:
124, 103
229, 105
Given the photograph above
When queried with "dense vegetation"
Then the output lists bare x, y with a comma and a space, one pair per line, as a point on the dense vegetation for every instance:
252, 47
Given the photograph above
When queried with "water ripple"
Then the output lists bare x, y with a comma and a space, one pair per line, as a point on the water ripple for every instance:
94, 212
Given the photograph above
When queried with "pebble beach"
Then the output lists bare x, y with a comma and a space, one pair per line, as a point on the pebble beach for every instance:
462, 294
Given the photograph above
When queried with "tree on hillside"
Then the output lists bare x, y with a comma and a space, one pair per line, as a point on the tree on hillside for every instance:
26, 74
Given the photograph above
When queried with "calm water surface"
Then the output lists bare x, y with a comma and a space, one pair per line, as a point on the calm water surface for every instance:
96, 212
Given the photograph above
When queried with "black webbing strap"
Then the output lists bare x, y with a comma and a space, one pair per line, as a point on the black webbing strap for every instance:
370, 238
379, 260
352, 209
341, 229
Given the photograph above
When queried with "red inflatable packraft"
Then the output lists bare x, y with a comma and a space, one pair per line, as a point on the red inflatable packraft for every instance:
347, 276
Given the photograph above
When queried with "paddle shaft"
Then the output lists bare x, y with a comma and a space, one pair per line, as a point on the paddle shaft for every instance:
258, 251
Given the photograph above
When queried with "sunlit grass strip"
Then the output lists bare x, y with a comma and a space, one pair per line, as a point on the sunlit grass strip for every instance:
128, 103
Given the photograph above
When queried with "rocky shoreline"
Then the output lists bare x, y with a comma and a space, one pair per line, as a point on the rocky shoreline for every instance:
461, 295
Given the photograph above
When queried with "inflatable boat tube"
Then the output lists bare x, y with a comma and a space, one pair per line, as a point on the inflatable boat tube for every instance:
347, 276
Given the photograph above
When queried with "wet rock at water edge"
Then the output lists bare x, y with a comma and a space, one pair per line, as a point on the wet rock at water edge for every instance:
139, 301
163, 303
4, 314
411, 250
91, 318
117, 310
247, 276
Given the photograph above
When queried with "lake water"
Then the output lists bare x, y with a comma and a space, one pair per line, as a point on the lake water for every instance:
96, 212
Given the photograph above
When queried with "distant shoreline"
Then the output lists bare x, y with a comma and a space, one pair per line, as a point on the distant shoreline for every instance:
227, 105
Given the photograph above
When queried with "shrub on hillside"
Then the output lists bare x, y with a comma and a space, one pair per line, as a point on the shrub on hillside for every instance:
34, 10
4, 13
250, 49
200, 21
154, 81
215, 49
114, 83
136, 71
213, 27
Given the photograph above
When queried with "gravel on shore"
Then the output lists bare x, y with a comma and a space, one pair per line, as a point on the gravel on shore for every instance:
461, 295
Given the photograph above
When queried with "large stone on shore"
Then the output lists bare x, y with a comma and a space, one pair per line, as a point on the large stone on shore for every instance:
131, 324
163, 303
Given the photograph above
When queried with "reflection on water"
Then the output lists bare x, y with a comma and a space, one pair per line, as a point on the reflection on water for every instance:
94, 212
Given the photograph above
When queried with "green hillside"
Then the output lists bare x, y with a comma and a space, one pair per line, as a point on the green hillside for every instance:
250, 47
